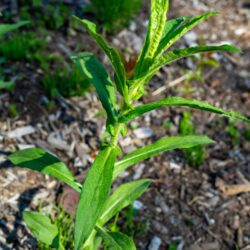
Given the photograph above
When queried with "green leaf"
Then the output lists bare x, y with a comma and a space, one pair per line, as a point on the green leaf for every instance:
41, 227
39, 160
169, 57
4, 28
94, 194
6, 85
180, 53
171, 26
122, 197
112, 54
115, 241
167, 41
93, 70
180, 102
162, 145
154, 33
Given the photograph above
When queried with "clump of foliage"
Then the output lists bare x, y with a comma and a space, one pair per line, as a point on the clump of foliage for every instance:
114, 15
195, 155
96, 207
5, 28
22, 46
66, 82
50, 16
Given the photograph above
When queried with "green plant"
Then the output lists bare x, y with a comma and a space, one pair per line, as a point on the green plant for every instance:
22, 46
5, 28
96, 207
64, 222
13, 111
195, 155
68, 83
247, 134
233, 132
114, 15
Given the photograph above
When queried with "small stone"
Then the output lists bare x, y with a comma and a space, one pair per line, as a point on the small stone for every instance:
132, 26
213, 201
25, 146
174, 166
139, 171
190, 38
240, 31
155, 243
78, 162
125, 142
57, 142
143, 133
22, 131
137, 205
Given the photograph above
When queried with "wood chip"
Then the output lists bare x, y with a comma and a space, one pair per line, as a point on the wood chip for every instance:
235, 189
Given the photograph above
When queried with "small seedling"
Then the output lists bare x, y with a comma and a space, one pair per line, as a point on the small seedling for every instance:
96, 207
195, 156
233, 132
13, 111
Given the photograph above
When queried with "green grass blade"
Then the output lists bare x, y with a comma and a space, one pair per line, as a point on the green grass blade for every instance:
112, 54
93, 196
93, 70
115, 241
4, 28
41, 161
176, 34
180, 102
122, 197
162, 145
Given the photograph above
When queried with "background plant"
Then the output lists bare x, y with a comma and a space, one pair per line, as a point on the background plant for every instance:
196, 155
65, 81
114, 15
96, 207
5, 28
22, 46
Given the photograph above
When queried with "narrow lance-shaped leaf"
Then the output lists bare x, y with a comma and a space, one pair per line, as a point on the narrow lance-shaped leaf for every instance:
155, 28
41, 161
4, 28
180, 102
115, 240
172, 56
93, 196
43, 229
93, 70
162, 145
122, 197
167, 41
171, 26
112, 54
